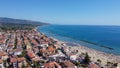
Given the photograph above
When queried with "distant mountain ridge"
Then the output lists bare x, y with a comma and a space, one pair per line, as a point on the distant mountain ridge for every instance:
5, 20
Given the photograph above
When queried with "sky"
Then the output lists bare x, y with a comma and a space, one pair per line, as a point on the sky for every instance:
68, 12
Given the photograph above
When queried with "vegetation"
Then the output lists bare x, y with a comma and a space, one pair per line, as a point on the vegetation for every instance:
36, 64
18, 24
87, 59
12, 26
77, 64
15, 44
5, 62
99, 61
115, 64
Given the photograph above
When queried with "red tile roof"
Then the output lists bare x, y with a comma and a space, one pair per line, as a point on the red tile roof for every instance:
12, 60
1, 61
31, 54
49, 49
36, 59
44, 42
68, 64
52, 65
34, 42
3, 53
18, 50
93, 66
2, 41
21, 59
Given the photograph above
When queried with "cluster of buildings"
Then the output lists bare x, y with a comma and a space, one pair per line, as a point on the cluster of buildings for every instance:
32, 49
29, 48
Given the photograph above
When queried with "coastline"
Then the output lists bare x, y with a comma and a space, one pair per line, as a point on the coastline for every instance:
94, 54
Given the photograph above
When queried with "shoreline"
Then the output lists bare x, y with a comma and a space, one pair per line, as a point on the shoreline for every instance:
93, 53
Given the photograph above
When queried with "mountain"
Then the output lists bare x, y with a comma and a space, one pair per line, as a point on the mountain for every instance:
4, 20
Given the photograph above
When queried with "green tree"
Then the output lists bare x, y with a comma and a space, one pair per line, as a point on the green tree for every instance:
15, 44
77, 64
99, 61
36, 64
87, 59
115, 64
5, 62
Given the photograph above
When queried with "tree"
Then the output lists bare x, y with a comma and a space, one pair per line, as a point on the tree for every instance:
36, 64
5, 62
99, 61
77, 64
115, 64
87, 59
15, 44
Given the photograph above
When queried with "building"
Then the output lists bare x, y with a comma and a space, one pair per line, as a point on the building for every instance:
21, 61
52, 65
48, 51
1, 64
30, 55
93, 65
3, 55
14, 62
68, 64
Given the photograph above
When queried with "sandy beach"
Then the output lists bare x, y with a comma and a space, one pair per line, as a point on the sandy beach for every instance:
94, 54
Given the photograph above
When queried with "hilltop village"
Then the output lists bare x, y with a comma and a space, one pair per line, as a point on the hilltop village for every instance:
32, 49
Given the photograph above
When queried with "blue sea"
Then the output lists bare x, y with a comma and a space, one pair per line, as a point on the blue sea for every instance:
102, 38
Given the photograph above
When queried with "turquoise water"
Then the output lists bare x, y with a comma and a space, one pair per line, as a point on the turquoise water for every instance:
102, 38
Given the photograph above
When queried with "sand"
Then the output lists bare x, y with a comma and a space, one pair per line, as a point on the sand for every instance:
94, 54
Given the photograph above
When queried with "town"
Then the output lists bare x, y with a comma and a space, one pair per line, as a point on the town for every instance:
32, 49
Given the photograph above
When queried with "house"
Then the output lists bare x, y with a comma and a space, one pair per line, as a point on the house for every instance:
14, 62
21, 61
52, 65
1, 64
2, 42
36, 58
57, 58
56, 46
18, 51
26, 41
48, 51
93, 65
11, 43
30, 55
3, 55
19, 43
65, 49
72, 56
35, 49
68, 64
34, 42
44, 44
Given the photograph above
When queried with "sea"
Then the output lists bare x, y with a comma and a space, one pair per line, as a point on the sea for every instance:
101, 38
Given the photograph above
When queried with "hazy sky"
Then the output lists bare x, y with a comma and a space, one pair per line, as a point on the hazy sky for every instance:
85, 12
